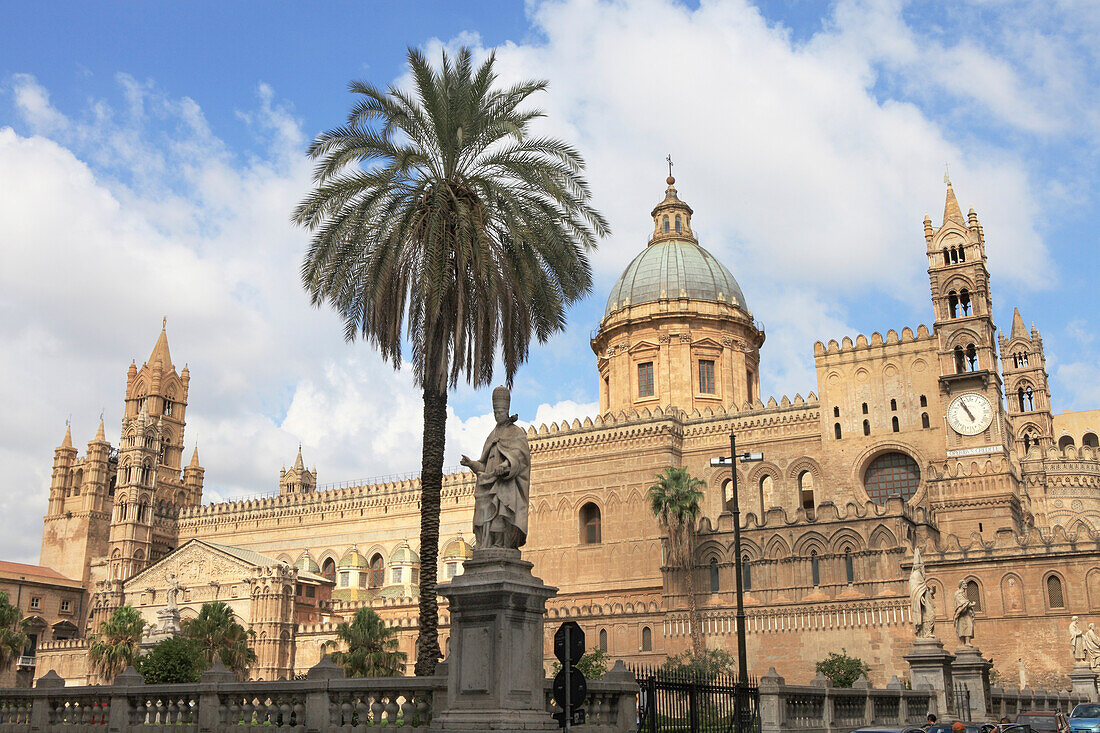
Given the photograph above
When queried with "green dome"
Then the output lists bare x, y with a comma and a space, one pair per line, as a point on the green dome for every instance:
308, 564
404, 554
352, 559
674, 268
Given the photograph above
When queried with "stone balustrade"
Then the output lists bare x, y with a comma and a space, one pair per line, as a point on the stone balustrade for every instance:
1012, 701
219, 703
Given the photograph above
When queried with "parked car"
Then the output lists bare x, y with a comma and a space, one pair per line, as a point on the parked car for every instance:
1085, 718
1045, 721
876, 729
971, 727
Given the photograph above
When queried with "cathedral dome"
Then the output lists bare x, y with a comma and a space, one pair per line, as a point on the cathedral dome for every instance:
674, 265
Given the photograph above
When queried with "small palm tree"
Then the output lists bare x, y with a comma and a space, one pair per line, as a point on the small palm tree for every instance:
371, 647
114, 646
675, 502
13, 638
216, 632
439, 218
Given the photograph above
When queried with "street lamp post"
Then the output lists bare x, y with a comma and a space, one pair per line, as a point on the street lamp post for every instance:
732, 461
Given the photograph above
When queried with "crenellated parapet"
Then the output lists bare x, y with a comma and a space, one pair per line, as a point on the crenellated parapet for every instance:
862, 343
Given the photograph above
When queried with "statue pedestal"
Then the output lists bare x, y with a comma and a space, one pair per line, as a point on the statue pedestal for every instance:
930, 668
167, 626
971, 669
1084, 681
495, 677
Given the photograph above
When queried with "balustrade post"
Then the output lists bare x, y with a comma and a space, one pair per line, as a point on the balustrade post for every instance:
40, 706
624, 709
317, 701
118, 720
823, 682
209, 717
771, 702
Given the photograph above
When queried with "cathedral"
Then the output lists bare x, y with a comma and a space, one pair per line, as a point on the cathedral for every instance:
937, 437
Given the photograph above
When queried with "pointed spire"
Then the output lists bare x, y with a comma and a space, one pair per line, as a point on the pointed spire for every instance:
100, 435
160, 350
1018, 328
298, 464
951, 210
68, 442
194, 459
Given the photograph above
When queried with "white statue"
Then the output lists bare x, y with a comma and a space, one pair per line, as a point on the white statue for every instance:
964, 615
1092, 647
920, 599
173, 591
1077, 641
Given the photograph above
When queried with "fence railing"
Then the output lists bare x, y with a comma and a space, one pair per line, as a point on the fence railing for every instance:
821, 708
324, 701
682, 701
1012, 701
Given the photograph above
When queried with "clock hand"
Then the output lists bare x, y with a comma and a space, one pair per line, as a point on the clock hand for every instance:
967, 411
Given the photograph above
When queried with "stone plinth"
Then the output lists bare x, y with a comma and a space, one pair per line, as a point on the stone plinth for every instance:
1084, 682
495, 678
168, 625
930, 668
971, 669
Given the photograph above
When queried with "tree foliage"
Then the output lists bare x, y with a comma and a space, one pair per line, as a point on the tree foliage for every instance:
437, 217
115, 645
841, 669
674, 500
371, 647
216, 631
709, 664
13, 637
171, 661
593, 664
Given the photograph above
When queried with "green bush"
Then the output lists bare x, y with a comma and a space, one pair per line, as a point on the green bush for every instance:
593, 664
172, 661
711, 663
842, 670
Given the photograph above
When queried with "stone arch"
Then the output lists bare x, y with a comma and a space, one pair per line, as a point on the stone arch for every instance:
1092, 584
962, 337
1012, 594
777, 548
809, 542
882, 539
711, 549
1055, 592
860, 465
846, 537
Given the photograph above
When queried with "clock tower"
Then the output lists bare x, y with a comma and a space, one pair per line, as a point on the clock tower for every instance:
977, 481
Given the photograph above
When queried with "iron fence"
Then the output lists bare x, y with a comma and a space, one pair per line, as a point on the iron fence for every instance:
683, 702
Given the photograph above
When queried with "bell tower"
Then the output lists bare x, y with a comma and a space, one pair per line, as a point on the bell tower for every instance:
981, 493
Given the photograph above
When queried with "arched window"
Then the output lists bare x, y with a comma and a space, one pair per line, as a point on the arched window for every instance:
111, 485
923, 401
972, 357
1066, 441
727, 494
1055, 596
146, 474
866, 427
1030, 397
143, 511
1020, 395
946, 256
603, 640
1090, 440
815, 568
924, 420
974, 594
590, 524
894, 423
960, 360
377, 571
1027, 443
328, 569
962, 253
806, 492
161, 454
954, 255
836, 431
664, 225
864, 408
893, 405
746, 573
953, 304
892, 475
647, 639
836, 412
767, 490
964, 301
715, 581
849, 566
678, 227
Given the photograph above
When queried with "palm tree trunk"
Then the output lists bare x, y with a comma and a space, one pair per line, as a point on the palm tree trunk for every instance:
431, 484
693, 611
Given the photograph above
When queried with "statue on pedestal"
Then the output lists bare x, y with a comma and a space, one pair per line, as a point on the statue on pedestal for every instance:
1092, 647
964, 615
503, 489
173, 591
920, 599
1077, 641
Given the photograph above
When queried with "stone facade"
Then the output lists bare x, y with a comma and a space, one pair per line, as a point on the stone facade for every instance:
52, 607
906, 440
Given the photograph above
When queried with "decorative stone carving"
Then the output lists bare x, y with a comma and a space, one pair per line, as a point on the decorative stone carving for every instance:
921, 596
503, 490
1077, 641
964, 615
664, 338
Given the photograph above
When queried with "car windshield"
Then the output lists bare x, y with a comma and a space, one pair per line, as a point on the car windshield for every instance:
1039, 722
1086, 711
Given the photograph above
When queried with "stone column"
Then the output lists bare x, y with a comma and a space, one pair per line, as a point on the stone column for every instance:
771, 702
495, 679
971, 669
1084, 682
930, 668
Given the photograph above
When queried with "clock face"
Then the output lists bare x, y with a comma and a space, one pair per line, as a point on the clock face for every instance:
969, 414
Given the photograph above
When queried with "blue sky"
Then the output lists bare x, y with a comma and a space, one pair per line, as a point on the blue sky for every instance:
151, 153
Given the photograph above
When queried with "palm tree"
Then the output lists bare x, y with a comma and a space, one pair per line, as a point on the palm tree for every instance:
372, 647
13, 639
436, 214
115, 645
216, 631
675, 502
